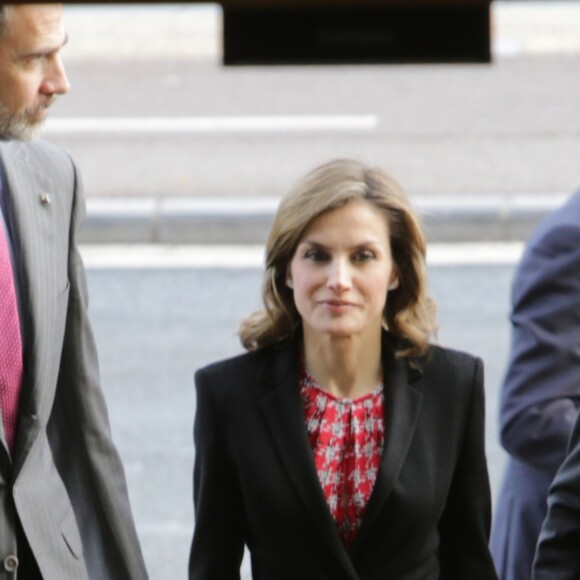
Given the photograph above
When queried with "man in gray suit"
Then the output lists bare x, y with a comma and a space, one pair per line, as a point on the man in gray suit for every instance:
541, 391
64, 507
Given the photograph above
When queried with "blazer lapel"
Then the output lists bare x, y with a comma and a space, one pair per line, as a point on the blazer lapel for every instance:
402, 408
283, 409
33, 234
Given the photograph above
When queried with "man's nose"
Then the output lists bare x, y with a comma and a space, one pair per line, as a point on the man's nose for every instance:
56, 80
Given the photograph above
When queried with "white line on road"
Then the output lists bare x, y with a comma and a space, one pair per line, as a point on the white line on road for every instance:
158, 256
245, 124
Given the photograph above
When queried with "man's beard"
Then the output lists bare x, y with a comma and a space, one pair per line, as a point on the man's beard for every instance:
23, 126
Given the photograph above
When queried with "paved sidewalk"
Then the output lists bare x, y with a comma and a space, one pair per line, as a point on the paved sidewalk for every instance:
247, 221
520, 30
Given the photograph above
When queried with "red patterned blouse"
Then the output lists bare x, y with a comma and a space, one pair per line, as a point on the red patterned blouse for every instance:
346, 436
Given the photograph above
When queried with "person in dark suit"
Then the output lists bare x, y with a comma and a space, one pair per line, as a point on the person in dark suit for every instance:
64, 507
557, 555
541, 391
342, 446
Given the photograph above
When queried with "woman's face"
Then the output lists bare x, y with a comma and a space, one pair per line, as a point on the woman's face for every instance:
342, 270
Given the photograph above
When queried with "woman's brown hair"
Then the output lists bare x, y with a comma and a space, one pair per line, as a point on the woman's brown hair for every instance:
409, 313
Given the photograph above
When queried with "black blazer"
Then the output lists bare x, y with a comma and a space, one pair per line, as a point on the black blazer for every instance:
557, 554
255, 480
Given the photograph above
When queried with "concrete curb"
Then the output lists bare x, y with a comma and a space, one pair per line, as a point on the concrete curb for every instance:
170, 220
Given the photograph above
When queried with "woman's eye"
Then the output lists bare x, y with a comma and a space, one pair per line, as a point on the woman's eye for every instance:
316, 255
364, 256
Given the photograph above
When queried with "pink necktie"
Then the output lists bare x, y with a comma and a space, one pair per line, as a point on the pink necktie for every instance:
10, 345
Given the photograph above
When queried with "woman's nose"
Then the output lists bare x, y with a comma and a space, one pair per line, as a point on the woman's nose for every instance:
339, 277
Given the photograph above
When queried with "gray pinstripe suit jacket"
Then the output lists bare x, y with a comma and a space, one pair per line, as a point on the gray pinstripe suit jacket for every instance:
65, 483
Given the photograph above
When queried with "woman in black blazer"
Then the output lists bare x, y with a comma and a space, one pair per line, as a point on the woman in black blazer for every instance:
342, 446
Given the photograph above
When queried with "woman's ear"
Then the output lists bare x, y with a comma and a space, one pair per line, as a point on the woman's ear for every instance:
289, 282
394, 283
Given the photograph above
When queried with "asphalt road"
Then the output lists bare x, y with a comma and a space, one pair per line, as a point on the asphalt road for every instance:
154, 326
511, 127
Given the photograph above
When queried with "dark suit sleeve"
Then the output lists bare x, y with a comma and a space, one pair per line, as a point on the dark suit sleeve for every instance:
80, 438
558, 552
218, 540
541, 391
465, 524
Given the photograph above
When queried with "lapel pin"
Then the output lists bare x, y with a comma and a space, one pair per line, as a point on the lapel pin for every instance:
45, 198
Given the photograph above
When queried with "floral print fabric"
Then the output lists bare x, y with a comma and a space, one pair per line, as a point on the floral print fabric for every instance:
347, 437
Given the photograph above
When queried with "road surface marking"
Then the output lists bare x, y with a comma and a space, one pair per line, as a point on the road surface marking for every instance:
188, 125
159, 256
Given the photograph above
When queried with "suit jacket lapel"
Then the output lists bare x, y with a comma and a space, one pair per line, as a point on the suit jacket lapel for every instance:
283, 409
402, 408
33, 233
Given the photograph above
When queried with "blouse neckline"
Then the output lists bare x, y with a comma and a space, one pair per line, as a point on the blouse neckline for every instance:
310, 382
